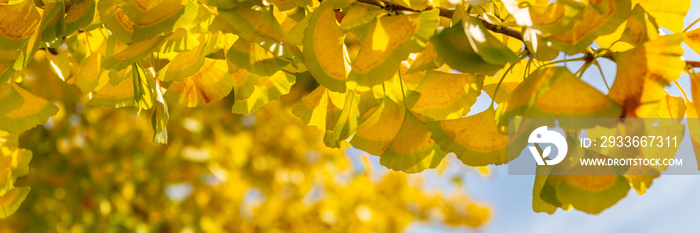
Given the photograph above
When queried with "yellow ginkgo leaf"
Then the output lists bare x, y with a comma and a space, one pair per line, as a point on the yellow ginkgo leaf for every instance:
474, 139
442, 96
131, 54
79, 15
389, 41
692, 38
20, 21
255, 25
413, 149
347, 122
359, 14
639, 28
14, 163
600, 18
254, 58
546, 17
402, 141
648, 68
90, 75
693, 115
180, 40
428, 59
9, 98
376, 133
10, 202
669, 14
211, 83
267, 89
320, 108
554, 92
115, 96
183, 65
324, 50
6, 71
512, 79
592, 193
34, 111
162, 17
116, 20
244, 84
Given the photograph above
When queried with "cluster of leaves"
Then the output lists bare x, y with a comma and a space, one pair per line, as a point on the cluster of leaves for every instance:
223, 173
385, 69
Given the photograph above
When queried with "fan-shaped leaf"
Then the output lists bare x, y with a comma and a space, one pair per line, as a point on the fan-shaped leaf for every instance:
474, 139
131, 54
554, 92
20, 21
600, 18
402, 141
211, 83
10, 202
254, 58
669, 14
34, 111
389, 41
443, 96
324, 50
79, 15
647, 68
454, 45
267, 89
320, 108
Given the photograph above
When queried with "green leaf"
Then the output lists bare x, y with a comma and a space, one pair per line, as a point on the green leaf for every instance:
144, 88
455, 47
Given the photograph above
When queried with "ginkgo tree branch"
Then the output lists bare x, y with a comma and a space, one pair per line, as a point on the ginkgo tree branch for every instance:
447, 13
388, 5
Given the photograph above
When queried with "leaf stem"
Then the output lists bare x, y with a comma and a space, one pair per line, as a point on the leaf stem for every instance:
682, 90
602, 75
691, 25
403, 93
493, 97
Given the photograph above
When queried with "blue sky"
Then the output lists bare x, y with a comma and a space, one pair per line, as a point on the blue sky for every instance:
670, 205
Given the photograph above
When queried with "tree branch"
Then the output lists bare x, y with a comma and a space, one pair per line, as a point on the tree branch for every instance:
388, 5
